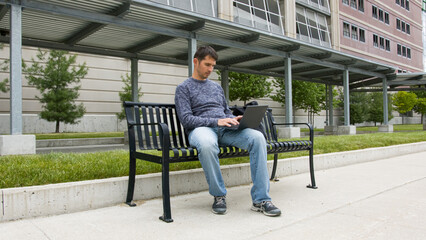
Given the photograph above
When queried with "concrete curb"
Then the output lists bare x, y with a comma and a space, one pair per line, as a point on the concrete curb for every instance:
62, 198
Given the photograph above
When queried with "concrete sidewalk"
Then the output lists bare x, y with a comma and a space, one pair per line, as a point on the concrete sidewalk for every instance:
384, 199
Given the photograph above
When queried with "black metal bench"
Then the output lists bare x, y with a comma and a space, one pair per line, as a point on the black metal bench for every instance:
155, 126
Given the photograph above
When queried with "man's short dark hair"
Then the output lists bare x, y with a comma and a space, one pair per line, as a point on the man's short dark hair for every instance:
204, 51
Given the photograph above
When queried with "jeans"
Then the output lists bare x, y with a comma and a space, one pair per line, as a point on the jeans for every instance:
207, 141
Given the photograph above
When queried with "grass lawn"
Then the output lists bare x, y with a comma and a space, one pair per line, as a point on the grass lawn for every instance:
396, 127
43, 136
28, 170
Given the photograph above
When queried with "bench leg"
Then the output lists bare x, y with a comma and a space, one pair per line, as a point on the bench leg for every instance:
311, 169
131, 186
167, 212
274, 168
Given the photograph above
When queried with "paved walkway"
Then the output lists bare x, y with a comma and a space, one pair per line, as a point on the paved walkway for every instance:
384, 199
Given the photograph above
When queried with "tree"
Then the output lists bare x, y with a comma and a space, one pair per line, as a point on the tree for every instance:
126, 95
404, 101
308, 96
420, 108
244, 87
4, 66
53, 79
375, 108
358, 107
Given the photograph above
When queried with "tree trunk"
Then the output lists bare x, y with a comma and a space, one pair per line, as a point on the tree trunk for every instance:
57, 127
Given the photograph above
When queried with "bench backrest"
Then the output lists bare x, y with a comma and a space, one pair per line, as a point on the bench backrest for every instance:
146, 116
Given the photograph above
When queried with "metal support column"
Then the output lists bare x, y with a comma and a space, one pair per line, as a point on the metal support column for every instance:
192, 48
385, 102
225, 83
346, 108
134, 76
288, 91
330, 106
15, 69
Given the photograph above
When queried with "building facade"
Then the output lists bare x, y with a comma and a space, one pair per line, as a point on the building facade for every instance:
384, 31
388, 32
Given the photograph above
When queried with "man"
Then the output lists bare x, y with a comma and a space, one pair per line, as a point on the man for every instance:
202, 109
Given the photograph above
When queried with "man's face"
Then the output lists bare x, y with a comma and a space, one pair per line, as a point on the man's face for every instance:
204, 68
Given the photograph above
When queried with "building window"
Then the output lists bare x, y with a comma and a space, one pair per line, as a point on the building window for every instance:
345, 2
206, 7
386, 17
398, 49
404, 4
375, 40
374, 11
361, 5
404, 51
353, 3
346, 31
409, 53
354, 33
382, 43
398, 24
387, 45
380, 15
313, 27
403, 26
361, 35
264, 15
407, 28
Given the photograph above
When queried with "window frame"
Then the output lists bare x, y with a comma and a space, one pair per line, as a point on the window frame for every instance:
374, 11
348, 32
361, 36
375, 40
387, 45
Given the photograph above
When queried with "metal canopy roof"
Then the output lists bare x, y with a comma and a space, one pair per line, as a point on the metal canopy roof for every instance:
150, 31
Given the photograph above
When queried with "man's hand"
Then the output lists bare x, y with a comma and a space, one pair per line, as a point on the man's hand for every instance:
229, 121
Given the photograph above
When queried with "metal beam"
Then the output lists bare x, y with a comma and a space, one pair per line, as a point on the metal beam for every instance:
15, 69
321, 73
254, 56
307, 68
346, 108
192, 48
330, 106
365, 83
385, 103
269, 65
321, 55
288, 91
134, 75
407, 82
94, 50
389, 89
245, 39
158, 40
94, 27
225, 83
243, 58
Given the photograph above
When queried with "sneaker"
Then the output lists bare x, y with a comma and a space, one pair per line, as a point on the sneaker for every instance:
219, 205
267, 208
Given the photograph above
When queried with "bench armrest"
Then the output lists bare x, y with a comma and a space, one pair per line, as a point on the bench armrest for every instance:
163, 132
311, 129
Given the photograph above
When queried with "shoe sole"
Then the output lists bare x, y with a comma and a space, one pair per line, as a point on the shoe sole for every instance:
220, 213
265, 213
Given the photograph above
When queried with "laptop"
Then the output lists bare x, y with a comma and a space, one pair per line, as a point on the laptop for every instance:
252, 117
